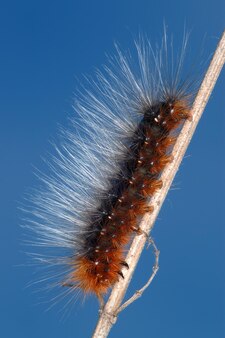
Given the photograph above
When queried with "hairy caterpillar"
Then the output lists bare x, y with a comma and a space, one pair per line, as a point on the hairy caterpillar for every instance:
108, 164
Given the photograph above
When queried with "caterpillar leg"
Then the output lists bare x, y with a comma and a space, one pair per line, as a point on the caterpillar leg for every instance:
139, 232
121, 274
124, 264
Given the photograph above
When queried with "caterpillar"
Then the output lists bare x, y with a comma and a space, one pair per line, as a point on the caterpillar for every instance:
108, 164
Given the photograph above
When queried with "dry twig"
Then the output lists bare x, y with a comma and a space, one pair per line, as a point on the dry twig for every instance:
109, 313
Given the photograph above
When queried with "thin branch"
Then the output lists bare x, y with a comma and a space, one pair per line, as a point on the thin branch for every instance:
108, 315
140, 292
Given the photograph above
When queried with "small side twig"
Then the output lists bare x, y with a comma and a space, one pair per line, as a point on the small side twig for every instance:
155, 269
109, 314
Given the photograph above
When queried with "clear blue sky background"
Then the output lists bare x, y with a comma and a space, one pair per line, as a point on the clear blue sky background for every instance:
44, 46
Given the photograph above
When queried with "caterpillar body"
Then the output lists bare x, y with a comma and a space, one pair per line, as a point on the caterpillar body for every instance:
108, 165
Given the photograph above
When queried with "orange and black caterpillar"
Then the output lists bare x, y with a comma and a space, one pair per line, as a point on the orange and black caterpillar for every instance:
148, 154
107, 165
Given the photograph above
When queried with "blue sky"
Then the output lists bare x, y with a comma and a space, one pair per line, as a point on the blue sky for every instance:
45, 46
